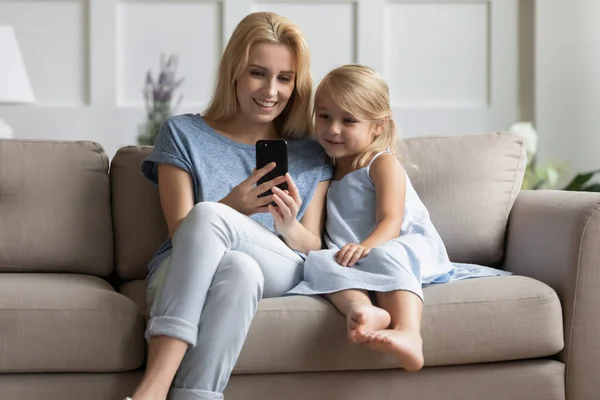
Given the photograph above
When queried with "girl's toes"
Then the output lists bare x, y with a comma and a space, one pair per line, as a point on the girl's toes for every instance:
379, 338
352, 324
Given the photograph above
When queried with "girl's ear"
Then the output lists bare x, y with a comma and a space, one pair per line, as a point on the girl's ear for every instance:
379, 127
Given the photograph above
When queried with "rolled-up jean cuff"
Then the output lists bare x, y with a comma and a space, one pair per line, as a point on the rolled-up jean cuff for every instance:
173, 327
193, 394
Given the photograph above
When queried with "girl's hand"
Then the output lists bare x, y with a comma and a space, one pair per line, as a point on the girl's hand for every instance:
288, 204
350, 254
244, 197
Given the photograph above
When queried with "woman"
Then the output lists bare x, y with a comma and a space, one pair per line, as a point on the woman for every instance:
227, 247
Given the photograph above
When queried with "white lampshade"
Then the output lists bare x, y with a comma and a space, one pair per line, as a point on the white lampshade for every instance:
14, 83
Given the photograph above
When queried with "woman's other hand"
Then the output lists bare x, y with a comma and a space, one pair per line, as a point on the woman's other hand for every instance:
244, 197
286, 212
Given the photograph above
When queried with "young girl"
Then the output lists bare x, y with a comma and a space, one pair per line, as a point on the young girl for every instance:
379, 235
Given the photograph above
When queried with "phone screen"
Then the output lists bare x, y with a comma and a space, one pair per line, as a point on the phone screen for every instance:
272, 151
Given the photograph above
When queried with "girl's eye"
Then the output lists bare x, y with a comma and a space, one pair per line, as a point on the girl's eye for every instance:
349, 121
285, 79
257, 73
323, 116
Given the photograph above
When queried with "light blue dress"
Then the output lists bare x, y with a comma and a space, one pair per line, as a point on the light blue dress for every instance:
415, 258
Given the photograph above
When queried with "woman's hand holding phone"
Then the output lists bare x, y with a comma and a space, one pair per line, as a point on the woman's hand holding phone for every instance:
288, 204
244, 197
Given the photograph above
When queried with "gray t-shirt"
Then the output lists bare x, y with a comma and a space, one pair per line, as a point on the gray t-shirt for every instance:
218, 164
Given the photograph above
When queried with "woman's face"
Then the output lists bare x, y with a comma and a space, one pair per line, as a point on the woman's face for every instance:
267, 83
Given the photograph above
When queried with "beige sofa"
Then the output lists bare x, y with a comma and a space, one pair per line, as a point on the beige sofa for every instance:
75, 240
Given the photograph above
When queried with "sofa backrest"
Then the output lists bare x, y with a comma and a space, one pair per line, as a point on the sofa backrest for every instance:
55, 207
139, 225
468, 183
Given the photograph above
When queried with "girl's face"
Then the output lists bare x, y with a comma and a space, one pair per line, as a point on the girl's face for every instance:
341, 134
267, 83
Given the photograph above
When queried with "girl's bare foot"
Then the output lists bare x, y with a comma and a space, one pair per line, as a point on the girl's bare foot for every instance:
363, 319
406, 346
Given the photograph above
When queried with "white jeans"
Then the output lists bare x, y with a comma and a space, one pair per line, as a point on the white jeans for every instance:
207, 292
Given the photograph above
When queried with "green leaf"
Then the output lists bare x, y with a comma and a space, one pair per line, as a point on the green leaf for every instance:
592, 188
579, 181
539, 185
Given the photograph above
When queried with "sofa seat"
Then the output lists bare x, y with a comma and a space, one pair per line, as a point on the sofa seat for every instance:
52, 322
465, 322
473, 321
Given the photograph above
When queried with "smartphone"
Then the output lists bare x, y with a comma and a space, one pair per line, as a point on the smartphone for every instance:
268, 151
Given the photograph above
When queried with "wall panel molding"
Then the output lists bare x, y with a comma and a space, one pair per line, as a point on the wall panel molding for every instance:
87, 58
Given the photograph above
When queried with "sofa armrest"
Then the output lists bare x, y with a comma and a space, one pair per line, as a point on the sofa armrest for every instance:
554, 237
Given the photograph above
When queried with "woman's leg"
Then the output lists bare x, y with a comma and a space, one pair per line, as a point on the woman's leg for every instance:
164, 356
361, 315
209, 232
224, 323
403, 339
164, 353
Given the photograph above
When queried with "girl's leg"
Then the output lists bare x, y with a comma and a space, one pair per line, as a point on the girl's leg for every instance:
361, 315
403, 339
210, 231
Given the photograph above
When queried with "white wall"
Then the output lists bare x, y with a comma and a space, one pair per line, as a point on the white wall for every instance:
568, 82
453, 65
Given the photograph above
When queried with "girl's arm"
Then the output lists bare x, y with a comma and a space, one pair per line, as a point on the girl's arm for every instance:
304, 235
390, 193
314, 217
176, 195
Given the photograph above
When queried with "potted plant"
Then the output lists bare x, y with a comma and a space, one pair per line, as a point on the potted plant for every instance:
547, 176
158, 96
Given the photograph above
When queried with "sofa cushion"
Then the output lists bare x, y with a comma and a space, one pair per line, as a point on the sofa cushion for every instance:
517, 380
135, 290
464, 322
55, 207
67, 323
469, 184
139, 225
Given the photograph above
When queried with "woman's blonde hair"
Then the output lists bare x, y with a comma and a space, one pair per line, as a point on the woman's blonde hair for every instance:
265, 27
362, 92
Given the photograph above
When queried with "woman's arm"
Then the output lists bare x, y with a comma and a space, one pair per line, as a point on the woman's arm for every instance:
305, 235
176, 195
390, 192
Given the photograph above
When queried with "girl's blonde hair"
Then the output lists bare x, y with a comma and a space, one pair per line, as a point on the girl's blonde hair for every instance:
362, 92
265, 27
